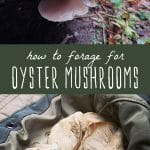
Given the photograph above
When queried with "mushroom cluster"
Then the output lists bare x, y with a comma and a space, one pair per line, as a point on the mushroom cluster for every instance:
83, 131
64, 10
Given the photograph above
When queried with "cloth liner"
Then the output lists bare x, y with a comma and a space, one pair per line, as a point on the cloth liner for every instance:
10, 103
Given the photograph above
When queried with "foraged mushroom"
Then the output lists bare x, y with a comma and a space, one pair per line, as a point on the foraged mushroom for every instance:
64, 10
102, 136
80, 131
87, 131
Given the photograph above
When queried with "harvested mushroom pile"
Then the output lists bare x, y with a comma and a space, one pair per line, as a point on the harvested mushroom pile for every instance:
64, 10
83, 132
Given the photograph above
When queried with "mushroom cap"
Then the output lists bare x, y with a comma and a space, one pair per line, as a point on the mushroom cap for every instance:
62, 10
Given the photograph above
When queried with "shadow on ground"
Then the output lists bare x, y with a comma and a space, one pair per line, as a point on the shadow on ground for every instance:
20, 22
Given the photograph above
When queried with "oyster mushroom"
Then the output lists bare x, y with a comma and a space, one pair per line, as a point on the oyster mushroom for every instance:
64, 10
102, 136
80, 131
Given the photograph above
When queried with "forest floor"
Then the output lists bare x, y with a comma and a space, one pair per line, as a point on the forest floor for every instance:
109, 23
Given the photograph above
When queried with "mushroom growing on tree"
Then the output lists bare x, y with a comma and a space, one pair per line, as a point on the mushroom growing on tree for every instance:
64, 10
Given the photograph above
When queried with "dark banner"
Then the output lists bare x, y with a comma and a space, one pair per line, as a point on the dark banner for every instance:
74, 69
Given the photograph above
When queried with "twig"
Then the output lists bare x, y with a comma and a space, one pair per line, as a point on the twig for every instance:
104, 13
65, 40
104, 36
93, 15
85, 16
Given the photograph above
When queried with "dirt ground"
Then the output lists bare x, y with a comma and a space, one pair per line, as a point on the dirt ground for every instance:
20, 22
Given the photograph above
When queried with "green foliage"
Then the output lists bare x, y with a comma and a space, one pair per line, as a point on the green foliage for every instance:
118, 3
144, 15
143, 41
127, 24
